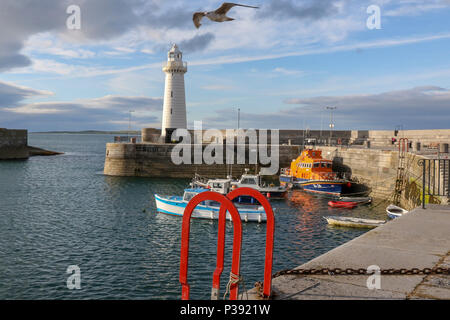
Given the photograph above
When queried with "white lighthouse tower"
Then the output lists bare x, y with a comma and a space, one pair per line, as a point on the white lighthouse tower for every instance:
174, 113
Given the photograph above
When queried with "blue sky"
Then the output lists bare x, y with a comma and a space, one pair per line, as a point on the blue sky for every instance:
281, 64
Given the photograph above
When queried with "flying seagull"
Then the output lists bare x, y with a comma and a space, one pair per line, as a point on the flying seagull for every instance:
220, 15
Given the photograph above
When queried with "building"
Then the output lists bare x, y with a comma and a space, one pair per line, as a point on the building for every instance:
174, 111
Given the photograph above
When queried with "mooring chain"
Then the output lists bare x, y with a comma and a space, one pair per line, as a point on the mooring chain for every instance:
351, 271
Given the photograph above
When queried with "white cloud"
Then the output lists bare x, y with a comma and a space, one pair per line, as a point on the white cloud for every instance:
425, 107
288, 72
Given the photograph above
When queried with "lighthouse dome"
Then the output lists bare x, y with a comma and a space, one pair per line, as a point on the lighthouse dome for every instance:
175, 53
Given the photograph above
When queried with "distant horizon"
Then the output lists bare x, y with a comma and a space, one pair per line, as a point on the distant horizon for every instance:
139, 131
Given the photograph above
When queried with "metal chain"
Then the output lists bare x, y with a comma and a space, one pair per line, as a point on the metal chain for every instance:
351, 271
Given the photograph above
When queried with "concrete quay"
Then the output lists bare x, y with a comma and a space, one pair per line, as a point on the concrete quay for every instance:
420, 239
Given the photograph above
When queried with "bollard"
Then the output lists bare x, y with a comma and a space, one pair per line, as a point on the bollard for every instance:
417, 146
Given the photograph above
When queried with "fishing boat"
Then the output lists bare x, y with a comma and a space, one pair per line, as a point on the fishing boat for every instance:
394, 211
254, 181
353, 222
312, 173
342, 204
209, 209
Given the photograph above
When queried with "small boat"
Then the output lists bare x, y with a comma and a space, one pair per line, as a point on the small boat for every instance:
342, 204
394, 211
359, 200
353, 222
311, 173
175, 206
224, 186
255, 181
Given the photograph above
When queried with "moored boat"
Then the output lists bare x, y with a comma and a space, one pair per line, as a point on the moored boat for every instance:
254, 181
342, 204
353, 222
312, 173
175, 205
394, 211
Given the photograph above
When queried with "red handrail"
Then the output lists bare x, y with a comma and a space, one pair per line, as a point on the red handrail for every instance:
270, 229
403, 145
226, 205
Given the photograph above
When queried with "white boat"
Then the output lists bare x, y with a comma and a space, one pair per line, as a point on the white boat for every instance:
353, 222
254, 181
209, 209
394, 211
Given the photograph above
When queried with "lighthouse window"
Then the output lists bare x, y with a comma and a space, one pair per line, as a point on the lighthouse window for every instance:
170, 111
171, 94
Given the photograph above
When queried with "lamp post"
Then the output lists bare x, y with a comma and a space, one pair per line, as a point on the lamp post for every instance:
239, 119
331, 121
129, 124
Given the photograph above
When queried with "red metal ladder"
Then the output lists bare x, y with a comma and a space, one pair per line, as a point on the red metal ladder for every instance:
227, 205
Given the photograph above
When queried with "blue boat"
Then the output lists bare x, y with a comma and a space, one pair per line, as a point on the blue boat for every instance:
209, 209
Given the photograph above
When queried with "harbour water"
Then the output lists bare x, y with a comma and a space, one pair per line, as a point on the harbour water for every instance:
61, 211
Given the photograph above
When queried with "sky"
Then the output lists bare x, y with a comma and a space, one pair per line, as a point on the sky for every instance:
281, 64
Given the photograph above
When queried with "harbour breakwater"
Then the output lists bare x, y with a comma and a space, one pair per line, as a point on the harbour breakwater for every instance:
155, 160
14, 146
367, 157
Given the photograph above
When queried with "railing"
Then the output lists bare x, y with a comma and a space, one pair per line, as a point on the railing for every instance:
175, 65
435, 178
226, 204
126, 139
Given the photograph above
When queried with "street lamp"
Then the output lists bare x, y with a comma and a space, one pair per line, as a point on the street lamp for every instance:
129, 124
239, 118
331, 121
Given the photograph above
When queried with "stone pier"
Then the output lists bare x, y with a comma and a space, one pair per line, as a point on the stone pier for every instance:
13, 144
419, 239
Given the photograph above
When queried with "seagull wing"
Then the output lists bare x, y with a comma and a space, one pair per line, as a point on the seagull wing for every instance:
198, 16
226, 6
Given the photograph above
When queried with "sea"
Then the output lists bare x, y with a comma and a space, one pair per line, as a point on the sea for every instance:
61, 213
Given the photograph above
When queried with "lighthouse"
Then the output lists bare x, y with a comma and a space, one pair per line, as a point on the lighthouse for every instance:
174, 112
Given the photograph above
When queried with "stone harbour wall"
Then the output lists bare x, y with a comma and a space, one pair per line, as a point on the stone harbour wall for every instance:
13, 144
154, 160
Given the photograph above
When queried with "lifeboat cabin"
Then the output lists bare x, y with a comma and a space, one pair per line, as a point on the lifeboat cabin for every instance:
312, 173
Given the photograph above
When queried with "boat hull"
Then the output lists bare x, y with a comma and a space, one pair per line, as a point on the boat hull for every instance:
342, 204
328, 187
175, 207
394, 212
353, 222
